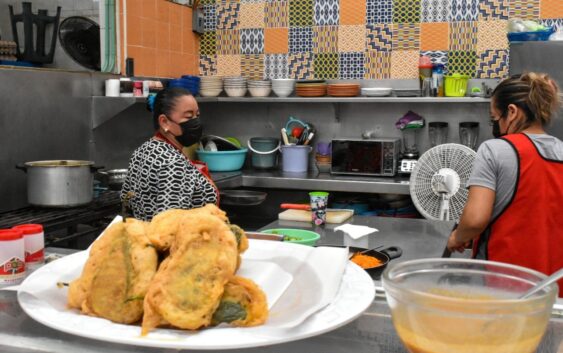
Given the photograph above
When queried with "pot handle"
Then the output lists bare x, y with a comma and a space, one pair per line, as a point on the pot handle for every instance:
95, 168
21, 166
393, 252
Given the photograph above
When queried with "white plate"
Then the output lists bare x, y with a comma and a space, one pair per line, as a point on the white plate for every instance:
286, 297
376, 92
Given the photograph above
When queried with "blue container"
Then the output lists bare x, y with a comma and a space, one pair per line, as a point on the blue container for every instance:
295, 158
530, 36
223, 161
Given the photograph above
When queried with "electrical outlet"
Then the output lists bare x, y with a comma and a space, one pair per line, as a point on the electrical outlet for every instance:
197, 19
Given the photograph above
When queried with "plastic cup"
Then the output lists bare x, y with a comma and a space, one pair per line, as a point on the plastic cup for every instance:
319, 201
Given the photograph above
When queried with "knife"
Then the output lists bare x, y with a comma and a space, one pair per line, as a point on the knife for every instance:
264, 236
295, 206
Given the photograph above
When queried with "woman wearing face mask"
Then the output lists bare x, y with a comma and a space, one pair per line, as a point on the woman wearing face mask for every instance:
514, 209
160, 177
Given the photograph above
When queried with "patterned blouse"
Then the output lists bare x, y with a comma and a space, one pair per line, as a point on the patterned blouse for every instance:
162, 178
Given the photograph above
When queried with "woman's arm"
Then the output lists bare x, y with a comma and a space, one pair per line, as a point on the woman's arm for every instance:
474, 219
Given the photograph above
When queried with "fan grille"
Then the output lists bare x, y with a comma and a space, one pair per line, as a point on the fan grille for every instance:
453, 156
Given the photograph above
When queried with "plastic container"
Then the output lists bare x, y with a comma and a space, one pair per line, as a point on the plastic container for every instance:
295, 158
223, 161
297, 236
530, 36
467, 305
264, 152
455, 85
12, 257
34, 242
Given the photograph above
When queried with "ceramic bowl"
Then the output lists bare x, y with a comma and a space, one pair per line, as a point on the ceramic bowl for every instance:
259, 91
235, 92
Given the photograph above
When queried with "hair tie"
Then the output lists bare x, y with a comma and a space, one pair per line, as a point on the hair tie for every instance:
150, 102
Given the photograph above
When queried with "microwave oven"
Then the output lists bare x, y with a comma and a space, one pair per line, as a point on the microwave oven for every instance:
373, 157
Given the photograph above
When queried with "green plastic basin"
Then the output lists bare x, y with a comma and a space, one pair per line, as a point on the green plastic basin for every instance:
296, 236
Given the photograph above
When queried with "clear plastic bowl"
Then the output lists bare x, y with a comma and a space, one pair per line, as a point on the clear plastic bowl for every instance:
466, 306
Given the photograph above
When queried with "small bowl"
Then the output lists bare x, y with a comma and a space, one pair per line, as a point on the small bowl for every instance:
235, 92
210, 92
259, 92
296, 236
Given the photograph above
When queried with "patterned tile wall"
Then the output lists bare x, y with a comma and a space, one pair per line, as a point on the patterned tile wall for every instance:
355, 39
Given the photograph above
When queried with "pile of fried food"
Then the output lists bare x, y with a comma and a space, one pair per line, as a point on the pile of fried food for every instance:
176, 271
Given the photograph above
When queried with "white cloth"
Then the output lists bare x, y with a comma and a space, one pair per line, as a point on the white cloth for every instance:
356, 232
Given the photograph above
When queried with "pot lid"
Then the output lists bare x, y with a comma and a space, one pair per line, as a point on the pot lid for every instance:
59, 163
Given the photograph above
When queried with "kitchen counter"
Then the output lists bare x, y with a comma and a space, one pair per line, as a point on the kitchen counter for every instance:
372, 332
311, 180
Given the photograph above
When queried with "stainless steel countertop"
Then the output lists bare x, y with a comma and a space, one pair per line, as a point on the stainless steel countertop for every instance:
311, 180
372, 332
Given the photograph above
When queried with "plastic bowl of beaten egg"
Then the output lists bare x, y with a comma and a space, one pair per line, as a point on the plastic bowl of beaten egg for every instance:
467, 306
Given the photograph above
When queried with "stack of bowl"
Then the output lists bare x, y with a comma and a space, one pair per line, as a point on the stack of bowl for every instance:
235, 86
283, 87
260, 88
343, 90
310, 88
210, 86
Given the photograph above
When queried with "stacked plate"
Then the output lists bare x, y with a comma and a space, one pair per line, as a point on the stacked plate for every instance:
210, 86
376, 91
343, 89
8, 50
260, 88
235, 86
283, 87
310, 88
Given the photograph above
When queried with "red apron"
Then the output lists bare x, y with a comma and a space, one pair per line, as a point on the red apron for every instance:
199, 165
528, 231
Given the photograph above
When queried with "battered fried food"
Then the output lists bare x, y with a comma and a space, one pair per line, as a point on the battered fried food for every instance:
243, 304
164, 225
189, 284
117, 274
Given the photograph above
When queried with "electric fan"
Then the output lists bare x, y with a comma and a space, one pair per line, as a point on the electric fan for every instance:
438, 182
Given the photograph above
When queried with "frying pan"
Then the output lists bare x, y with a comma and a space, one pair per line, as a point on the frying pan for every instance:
383, 255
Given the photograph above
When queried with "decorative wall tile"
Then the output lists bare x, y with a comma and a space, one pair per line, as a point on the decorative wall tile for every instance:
434, 36
379, 11
252, 41
524, 9
207, 2
228, 65
352, 65
436, 10
493, 9
325, 39
227, 15
555, 22
301, 66
465, 10
353, 12
406, 36
276, 14
228, 42
250, 1
462, 62
437, 56
551, 9
491, 35
406, 11
208, 43
377, 65
463, 35
276, 40
326, 12
404, 64
209, 17
379, 37
252, 66
207, 65
252, 15
276, 66
492, 64
300, 13
300, 39
326, 66
351, 38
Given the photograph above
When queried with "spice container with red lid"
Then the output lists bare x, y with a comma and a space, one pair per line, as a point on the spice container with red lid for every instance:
12, 258
34, 244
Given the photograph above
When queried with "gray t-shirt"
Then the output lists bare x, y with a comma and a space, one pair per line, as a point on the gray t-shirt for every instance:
496, 167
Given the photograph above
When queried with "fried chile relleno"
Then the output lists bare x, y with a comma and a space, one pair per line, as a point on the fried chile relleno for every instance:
243, 304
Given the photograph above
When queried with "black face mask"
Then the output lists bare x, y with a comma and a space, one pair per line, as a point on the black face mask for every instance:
496, 130
191, 132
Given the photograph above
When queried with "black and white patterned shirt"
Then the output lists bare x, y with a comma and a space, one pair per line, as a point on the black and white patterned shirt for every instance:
162, 178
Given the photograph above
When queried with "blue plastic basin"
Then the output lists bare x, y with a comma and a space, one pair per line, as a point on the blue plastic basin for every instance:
223, 161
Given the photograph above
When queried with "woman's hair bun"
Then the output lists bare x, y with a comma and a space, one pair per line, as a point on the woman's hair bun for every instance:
150, 102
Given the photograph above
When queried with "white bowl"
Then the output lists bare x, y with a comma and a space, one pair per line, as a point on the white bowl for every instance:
235, 92
282, 92
210, 92
376, 91
259, 92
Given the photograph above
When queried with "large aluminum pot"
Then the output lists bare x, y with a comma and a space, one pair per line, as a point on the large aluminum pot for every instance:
59, 183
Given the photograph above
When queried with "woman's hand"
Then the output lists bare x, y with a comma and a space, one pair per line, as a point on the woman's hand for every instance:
454, 244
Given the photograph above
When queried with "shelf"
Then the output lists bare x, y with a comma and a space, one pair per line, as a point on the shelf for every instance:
343, 100
105, 108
